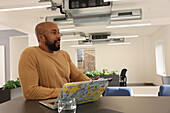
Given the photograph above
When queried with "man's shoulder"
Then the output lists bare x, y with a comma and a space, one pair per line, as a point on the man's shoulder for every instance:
30, 50
63, 52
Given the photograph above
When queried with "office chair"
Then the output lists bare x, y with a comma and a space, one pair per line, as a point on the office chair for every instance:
164, 90
123, 78
166, 80
118, 91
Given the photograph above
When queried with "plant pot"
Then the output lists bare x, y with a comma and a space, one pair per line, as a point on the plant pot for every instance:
9, 94
17, 92
4, 95
113, 82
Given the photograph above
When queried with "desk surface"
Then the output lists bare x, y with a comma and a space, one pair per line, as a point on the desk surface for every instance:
103, 105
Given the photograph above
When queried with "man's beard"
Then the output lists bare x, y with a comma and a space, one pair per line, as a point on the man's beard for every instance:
51, 46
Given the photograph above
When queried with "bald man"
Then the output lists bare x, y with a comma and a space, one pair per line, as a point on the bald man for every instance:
44, 69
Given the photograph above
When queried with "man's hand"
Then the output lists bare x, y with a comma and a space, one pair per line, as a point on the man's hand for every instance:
96, 78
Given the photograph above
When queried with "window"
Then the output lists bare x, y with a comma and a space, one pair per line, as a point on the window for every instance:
160, 58
86, 59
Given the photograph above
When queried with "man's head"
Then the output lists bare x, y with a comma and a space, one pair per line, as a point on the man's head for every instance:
48, 36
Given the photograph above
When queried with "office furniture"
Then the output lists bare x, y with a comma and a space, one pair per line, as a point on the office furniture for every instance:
118, 91
103, 105
4, 95
165, 80
123, 78
113, 82
9, 94
164, 90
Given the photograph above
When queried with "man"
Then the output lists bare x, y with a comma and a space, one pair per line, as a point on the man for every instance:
45, 69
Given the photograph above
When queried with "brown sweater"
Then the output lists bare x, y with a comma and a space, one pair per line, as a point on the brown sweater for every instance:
43, 74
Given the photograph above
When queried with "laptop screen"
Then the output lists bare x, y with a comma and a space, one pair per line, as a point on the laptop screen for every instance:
83, 92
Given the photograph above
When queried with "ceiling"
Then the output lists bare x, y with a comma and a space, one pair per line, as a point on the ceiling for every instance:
3, 27
154, 11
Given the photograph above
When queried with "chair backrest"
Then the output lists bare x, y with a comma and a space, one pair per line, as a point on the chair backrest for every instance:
165, 80
118, 91
123, 73
164, 90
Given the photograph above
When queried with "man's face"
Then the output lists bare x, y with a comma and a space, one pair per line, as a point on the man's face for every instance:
52, 37
52, 46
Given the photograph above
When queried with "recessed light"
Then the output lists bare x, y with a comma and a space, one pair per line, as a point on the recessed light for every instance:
130, 36
72, 29
127, 43
111, 0
129, 25
67, 40
81, 45
24, 8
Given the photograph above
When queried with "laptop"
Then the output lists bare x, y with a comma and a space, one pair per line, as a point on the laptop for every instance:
83, 92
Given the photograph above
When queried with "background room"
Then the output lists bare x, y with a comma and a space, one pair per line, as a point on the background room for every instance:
141, 45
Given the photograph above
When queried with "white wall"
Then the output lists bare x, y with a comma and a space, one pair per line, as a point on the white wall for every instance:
2, 65
123, 56
138, 58
17, 45
135, 57
71, 51
26, 20
149, 59
163, 34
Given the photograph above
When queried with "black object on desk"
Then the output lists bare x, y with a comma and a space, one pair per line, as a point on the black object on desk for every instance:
123, 78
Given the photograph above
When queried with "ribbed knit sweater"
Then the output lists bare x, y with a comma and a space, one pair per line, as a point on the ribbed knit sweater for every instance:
43, 74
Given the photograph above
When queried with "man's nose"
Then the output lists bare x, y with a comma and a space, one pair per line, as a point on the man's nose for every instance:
58, 37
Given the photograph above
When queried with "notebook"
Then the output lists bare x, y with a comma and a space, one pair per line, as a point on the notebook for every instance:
83, 92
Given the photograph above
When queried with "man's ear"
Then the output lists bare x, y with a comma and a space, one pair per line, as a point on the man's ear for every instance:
41, 38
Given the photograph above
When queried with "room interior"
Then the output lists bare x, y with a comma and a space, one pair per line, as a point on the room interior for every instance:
140, 57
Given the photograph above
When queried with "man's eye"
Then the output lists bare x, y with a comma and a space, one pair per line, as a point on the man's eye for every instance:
54, 33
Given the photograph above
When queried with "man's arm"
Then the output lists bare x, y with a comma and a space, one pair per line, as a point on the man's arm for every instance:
28, 73
75, 74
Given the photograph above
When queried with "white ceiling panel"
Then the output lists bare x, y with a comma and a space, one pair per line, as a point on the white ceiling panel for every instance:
3, 27
154, 11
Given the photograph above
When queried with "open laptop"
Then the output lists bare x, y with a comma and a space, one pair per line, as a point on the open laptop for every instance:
83, 92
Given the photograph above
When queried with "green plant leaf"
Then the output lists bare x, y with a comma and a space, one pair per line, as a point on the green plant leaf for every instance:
11, 84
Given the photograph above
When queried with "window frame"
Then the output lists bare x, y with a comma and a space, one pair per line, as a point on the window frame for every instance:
83, 54
160, 57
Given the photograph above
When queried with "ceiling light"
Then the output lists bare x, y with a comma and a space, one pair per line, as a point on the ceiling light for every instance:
129, 25
72, 29
67, 40
127, 43
111, 0
24, 8
132, 36
80, 45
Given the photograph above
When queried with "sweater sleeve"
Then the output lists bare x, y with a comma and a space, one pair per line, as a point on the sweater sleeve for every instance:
28, 73
75, 74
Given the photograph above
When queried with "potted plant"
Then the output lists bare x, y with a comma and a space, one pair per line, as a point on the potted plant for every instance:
10, 90
105, 74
